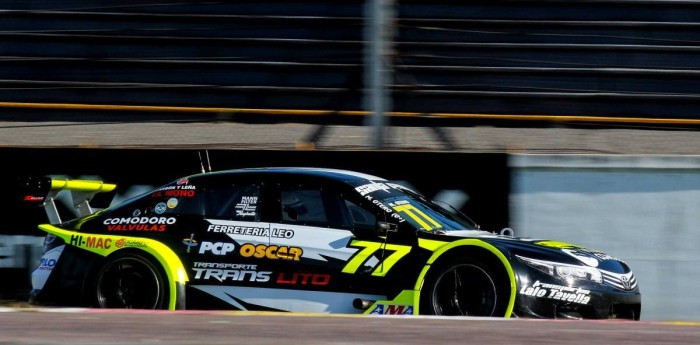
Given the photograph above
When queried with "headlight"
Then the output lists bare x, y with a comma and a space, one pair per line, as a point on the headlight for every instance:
564, 271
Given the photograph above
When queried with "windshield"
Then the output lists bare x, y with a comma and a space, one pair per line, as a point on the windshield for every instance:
409, 206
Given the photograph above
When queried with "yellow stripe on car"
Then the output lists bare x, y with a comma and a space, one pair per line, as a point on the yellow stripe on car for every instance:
557, 244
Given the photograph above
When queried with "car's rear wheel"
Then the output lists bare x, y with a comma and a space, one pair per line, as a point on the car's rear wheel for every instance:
462, 287
130, 281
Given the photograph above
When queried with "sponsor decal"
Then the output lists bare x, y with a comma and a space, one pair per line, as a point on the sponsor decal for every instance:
399, 203
160, 208
385, 208
217, 248
46, 264
172, 203
91, 242
32, 198
190, 242
179, 193
251, 231
377, 186
127, 243
140, 220
557, 292
136, 227
382, 206
225, 265
187, 187
392, 309
317, 279
186, 191
230, 272
182, 181
104, 243
246, 207
271, 252
136, 213
139, 223
372, 187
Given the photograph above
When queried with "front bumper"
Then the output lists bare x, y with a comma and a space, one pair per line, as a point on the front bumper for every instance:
551, 300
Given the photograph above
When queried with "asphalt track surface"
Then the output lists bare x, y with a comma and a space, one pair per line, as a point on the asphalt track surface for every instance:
92, 326
293, 136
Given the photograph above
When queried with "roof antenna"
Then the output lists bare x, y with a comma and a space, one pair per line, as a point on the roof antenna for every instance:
201, 163
208, 160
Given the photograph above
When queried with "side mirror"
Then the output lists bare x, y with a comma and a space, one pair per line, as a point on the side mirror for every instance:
385, 227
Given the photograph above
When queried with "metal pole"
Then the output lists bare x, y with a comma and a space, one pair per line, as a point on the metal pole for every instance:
378, 41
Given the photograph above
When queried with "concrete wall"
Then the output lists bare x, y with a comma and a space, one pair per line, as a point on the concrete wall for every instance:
642, 209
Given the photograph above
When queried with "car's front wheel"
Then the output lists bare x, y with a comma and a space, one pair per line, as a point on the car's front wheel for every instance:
130, 281
462, 287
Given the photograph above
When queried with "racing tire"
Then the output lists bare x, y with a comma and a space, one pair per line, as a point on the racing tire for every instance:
462, 287
130, 281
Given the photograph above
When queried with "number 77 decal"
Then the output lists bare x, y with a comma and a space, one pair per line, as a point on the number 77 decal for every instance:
368, 249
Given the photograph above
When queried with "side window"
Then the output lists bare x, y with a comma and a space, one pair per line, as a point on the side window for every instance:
318, 207
361, 218
303, 206
234, 202
238, 202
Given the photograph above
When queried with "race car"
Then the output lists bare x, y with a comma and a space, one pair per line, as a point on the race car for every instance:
301, 239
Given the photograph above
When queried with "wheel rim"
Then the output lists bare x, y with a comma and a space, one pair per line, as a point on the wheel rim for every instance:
464, 289
128, 283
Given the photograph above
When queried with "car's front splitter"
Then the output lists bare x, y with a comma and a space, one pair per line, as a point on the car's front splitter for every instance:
541, 299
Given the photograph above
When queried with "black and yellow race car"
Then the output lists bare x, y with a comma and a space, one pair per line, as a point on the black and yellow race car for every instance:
311, 240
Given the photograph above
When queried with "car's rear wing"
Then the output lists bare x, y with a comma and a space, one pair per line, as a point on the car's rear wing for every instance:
45, 190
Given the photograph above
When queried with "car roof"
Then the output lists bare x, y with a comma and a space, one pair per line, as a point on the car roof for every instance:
335, 174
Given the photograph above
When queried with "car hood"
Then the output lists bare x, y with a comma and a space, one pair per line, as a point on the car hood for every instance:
544, 249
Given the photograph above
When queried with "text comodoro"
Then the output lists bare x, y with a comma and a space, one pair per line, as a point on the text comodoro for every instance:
140, 220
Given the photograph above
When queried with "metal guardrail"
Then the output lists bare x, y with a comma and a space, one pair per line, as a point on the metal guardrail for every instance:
348, 113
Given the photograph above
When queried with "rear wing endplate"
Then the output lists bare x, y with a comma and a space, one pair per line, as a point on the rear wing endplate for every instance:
82, 191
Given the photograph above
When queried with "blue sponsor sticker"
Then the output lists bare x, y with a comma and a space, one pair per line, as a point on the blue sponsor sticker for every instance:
160, 208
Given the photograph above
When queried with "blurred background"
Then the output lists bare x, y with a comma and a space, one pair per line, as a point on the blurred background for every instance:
620, 58
571, 120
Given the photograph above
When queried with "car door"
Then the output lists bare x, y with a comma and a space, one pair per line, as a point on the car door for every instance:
219, 256
313, 231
